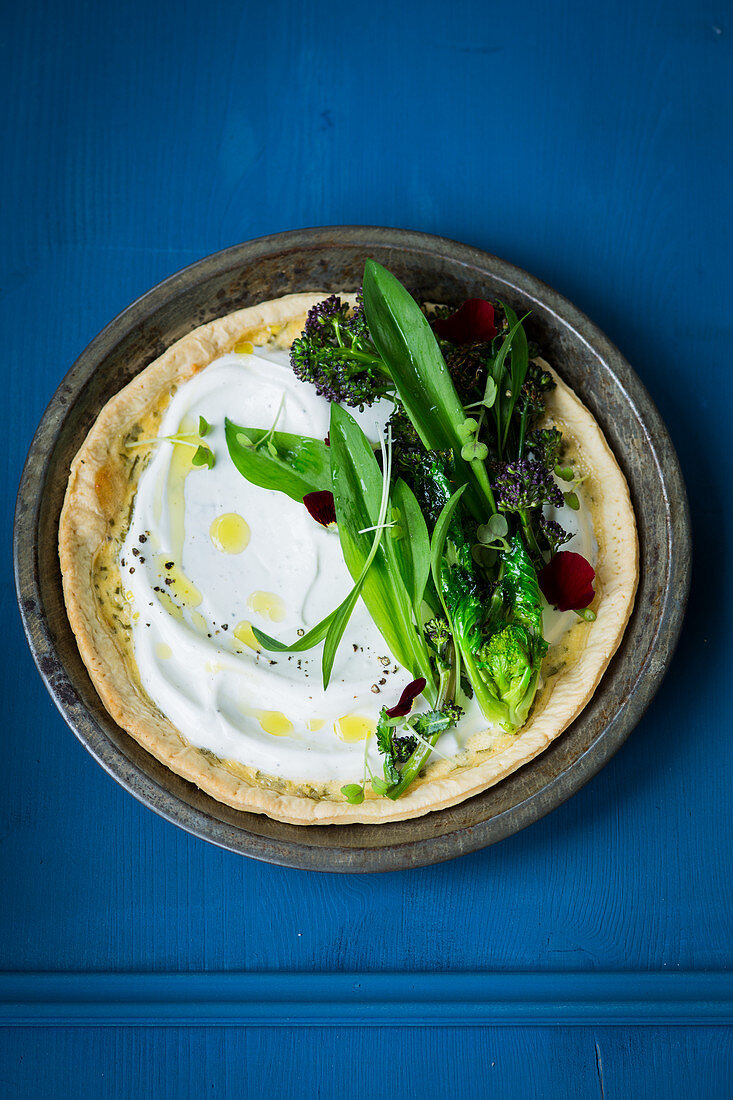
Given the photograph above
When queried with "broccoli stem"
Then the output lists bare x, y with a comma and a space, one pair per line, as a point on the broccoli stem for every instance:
529, 536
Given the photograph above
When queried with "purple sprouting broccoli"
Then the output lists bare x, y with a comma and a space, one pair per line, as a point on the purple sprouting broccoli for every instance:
526, 484
553, 534
336, 354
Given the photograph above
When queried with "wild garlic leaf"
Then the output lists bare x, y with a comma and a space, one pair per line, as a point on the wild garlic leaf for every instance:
300, 464
357, 484
440, 534
411, 547
519, 363
408, 346
307, 641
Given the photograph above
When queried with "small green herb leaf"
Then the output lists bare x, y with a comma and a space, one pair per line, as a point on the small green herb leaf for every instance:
381, 786
484, 555
204, 426
203, 456
354, 793
474, 449
496, 527
571, 499
490, 393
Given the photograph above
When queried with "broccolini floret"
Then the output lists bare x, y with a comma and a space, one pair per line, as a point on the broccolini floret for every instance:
537, 384
510, 662
336, 354
524, 484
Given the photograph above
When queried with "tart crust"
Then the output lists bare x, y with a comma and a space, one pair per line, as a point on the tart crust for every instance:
94, 522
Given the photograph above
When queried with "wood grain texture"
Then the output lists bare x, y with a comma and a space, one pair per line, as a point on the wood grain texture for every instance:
589, 144
226, 1063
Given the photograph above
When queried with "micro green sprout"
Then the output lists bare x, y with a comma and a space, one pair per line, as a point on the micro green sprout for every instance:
203, 455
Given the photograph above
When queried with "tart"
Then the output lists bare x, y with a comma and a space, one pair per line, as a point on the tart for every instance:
128, 586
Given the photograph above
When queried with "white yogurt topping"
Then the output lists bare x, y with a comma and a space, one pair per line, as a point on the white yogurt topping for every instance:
215, 555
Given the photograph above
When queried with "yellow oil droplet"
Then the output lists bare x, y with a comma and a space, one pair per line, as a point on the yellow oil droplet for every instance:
184, 590
315, 724
179, 469
267, 604
243, 632
199, 622
353, 727
168, 605
163, 650
244, 347
274, 722
230, 533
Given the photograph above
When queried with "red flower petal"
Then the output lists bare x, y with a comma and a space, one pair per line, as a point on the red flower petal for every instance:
567, 581
473, 323
407, 698
321, 506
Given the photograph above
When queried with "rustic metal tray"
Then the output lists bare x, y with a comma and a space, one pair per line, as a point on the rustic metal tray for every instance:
435, 269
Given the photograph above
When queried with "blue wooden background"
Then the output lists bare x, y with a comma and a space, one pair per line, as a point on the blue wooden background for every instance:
589, 143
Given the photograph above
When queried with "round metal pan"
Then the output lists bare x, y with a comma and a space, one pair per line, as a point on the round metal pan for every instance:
434, 269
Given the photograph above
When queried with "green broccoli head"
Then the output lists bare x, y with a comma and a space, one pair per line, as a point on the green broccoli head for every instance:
510, 661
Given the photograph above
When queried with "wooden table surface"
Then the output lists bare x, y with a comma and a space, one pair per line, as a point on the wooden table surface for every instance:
589, 954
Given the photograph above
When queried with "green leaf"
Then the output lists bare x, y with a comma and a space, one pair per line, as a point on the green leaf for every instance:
437, 546
484, 555
357, 484
490, 392
307, 641
299, 465
204, 426
412, 548
430, 723
338, 625
381, 786
354, 793
440, 533
384, 729
203, 456
519, 362
502, 404
407, 344
496, 527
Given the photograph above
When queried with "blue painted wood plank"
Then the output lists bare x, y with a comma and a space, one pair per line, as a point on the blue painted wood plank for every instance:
396, 999
326, 1063
590, 144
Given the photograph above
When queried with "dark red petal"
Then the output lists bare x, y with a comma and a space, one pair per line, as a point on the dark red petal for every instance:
473, 323
327, 439
407, 698
567, 581
321, 506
